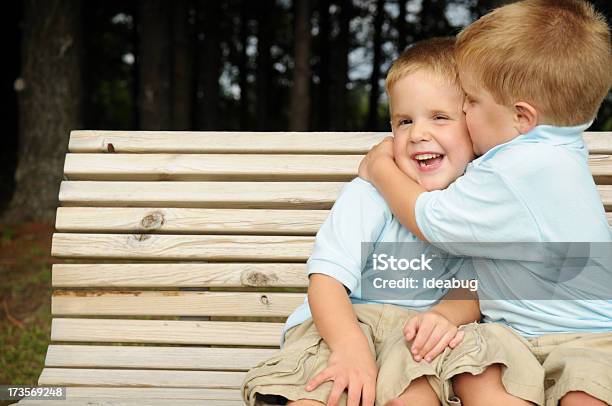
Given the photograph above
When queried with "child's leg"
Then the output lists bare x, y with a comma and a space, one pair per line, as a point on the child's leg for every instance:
304, 402
580, 399
485, 389
419, 392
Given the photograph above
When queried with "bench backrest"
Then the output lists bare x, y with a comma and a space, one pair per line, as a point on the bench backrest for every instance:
189, 249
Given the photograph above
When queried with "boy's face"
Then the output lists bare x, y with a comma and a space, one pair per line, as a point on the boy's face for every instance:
489, 123
431, 141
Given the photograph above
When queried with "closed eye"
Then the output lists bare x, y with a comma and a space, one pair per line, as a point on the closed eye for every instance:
404, 121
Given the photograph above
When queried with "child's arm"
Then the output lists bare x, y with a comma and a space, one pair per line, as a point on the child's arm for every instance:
432, 330
351, 364
399, 190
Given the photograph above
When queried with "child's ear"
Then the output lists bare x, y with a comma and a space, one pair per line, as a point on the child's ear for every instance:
526, 117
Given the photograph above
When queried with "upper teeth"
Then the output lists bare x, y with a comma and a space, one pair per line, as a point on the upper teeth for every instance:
426, 156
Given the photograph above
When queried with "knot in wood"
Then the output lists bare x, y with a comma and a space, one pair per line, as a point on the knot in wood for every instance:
153, 220
256, 278
140, 237
110, 147
264, 299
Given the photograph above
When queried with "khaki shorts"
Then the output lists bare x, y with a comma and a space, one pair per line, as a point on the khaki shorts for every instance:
575, 362
541, 370
305, 354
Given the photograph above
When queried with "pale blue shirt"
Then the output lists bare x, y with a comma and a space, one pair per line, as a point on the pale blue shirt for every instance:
361, 215
534, 188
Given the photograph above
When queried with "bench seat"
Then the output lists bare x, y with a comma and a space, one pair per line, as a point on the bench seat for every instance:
180, 254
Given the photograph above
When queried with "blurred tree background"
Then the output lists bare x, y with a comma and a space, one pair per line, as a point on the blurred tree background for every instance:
266, 65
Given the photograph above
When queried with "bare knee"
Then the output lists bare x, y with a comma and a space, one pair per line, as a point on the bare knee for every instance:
304, 402
484, 389
580, 399
419, 392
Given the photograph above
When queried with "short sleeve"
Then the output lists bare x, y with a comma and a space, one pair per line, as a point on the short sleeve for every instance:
359, 215
480, 206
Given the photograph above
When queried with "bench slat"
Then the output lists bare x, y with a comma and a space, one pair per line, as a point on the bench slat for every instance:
76, 392
598, 142
142, 378
179, 221
195, 358
197, 167
253, 142
279, 195
97, 401
166, 332
184, 247
224, 142
180, 275
202, 167
601, 168
174, 303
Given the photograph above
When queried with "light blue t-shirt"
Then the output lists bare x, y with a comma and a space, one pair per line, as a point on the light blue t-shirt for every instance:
535, 188
361, 215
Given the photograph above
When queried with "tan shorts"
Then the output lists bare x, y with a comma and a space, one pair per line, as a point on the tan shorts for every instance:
305, 354
487, 344
575, 362
541, 370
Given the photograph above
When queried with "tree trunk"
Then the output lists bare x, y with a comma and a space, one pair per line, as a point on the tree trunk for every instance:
264, 76
374, 88
300, 93
182, 85
154, 63
49, 92
339, 73
208, 65
324, 65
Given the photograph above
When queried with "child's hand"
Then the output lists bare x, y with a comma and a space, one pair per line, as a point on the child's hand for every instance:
352, 367
380, 151
432, 333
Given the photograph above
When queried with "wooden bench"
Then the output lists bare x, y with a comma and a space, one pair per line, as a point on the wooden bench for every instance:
185, 251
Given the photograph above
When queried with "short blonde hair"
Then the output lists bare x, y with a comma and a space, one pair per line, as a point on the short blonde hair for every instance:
436, 55
553, 54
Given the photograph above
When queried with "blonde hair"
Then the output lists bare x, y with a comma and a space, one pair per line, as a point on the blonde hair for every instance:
435, 55
553, 54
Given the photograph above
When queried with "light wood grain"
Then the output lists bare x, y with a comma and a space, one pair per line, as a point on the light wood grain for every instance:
203, 167
182, 247
123, 393
174, 303
223, 142
278, 195
166, 332
180, 275
189, 221
194, 358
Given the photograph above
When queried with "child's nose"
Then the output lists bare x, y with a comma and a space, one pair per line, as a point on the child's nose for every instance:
419, 132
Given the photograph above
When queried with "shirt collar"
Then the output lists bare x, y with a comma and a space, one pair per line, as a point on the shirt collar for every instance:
570, 137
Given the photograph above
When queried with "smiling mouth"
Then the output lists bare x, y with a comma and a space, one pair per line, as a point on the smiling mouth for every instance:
428, 161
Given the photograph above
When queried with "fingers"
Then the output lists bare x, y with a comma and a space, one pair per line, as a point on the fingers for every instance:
354, 394
336, 392
321, 377
439, 347
422, 335
369, 394
438, 335
411, 327
457, 339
